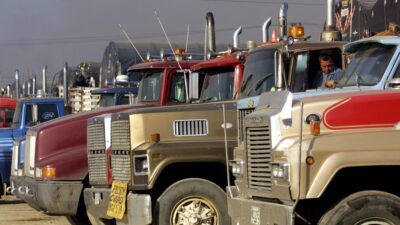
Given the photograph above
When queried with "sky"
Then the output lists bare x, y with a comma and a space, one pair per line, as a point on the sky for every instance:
34, 33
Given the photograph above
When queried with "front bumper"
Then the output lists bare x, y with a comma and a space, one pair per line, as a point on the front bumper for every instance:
138, 210
256, 212
53, 197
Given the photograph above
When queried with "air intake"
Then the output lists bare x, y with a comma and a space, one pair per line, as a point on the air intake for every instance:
197, 127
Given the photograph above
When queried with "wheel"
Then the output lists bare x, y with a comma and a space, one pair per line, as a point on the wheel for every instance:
365, 208
192, 202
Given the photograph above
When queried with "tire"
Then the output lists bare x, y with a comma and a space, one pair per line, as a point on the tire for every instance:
365, 208
178, 204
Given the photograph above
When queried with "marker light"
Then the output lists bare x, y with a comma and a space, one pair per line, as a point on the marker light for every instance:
155, 137
315, 127
296, 30
48, 173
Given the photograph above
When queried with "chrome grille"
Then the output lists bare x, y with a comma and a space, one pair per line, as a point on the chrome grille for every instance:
258, 145
121, 165
243, 113
95, 137
120, 139
97, 161
197, 127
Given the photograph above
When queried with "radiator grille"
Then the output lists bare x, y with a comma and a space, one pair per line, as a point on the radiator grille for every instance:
121, 165
243, 113
120, 139
191, 127
258, 145
97, 161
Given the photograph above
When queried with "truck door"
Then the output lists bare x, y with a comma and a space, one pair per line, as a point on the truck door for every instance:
298, 77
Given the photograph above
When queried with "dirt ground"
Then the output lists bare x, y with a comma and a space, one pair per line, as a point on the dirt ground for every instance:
16, 212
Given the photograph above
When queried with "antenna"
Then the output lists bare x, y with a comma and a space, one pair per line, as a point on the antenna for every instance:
173, 52
130, 41
187, 39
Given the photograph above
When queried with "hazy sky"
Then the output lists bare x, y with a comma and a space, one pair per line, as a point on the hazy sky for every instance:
34, 33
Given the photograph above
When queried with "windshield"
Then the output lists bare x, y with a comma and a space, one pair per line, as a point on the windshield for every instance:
367, 65
259, 73
106, 100
150, 87
17, 115
218, 84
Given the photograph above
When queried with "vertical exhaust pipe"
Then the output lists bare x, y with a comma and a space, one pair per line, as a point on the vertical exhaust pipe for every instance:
8, 89
17, 84
236, 37
265, 30
24, 89
330, 33
44, 72
29, 87
210, 26
65, 73
283, 20
34, 85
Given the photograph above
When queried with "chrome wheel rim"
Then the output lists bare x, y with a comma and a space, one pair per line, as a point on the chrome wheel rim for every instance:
195, 210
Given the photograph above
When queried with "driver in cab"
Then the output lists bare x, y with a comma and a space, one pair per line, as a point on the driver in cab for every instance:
328, 74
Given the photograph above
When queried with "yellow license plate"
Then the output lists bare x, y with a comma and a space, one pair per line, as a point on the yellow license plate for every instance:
116, 205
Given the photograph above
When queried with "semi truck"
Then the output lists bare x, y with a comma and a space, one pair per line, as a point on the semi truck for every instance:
167, 170
323, 159
59, 166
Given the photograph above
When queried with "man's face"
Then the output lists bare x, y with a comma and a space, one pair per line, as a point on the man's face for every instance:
326, 66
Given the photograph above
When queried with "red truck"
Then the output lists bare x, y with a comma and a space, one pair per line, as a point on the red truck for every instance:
56, 165
7, 106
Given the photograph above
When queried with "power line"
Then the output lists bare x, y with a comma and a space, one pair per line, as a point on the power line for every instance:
90, 39
269, 2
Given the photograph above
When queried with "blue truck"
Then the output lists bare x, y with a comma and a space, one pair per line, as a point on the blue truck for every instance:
116, 96
28, 112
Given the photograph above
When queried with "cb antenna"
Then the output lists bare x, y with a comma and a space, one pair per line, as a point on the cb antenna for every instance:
173, 52
130, 41
187, 38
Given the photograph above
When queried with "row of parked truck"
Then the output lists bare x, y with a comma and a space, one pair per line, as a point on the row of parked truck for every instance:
240, 138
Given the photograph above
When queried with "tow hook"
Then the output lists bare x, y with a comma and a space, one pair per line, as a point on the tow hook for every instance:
10, 190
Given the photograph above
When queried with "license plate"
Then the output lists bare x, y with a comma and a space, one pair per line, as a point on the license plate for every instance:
116, 205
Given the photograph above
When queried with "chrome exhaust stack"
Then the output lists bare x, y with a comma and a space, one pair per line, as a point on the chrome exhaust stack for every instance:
17, 84
8, 90
265, 30
210, 31
24, 89
65, 89
283, 20
34, 85
29, 87
236, 37
330, 32
44, 73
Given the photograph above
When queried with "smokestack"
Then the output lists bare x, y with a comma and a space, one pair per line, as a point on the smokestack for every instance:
29, 86
210, 32
283, 20
330, 33
65, 73
8, 90
44, 79
17, 84
34, 85
24, 89
265, 28
236, 37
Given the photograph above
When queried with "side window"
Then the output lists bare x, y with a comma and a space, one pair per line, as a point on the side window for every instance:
178, 90
29, 114
124, 100
47, 112
299, 79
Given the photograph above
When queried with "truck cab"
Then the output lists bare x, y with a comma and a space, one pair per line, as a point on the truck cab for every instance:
28, 113
116, 96
161, 83
7, 107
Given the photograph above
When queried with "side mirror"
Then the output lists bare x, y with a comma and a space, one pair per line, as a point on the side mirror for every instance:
194, 86
393, 83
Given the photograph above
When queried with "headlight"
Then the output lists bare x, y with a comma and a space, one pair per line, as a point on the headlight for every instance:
237, 167
142, 166
280, 171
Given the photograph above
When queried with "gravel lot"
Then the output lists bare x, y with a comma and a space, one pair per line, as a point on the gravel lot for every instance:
16, 212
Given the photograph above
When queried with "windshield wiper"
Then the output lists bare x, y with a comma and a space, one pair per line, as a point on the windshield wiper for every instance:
258, 83
245, 82
261, 81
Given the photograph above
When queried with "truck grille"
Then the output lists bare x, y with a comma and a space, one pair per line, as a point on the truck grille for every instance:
242, 113
97, 161
258, 144
121, 165
120, 138
197, 127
